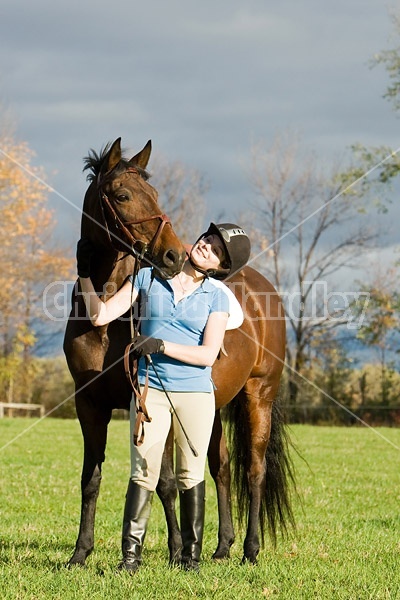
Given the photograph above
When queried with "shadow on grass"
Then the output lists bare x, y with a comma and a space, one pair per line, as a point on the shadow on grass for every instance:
45, 555
385, 523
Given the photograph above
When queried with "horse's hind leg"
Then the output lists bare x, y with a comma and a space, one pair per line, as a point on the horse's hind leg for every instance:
167, 492
218, 461
258, 399
94, 429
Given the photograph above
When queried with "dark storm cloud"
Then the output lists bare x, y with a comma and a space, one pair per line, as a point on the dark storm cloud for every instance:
201, 79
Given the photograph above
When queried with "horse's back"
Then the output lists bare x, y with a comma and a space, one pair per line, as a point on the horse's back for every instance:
257, 348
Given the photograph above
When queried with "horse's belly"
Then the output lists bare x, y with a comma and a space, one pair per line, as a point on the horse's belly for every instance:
230, 374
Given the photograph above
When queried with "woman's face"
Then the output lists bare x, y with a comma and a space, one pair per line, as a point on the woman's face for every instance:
208, 252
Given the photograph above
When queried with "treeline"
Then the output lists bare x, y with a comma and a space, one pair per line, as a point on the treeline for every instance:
44, 381
341, 397
353, 396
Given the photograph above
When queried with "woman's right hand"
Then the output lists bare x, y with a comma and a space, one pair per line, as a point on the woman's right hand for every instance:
101, 313
84, 253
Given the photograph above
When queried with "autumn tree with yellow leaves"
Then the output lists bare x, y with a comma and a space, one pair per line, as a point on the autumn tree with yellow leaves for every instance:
28, 261
380, 327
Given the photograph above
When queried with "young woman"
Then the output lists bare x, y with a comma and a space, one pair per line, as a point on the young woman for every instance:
183, 322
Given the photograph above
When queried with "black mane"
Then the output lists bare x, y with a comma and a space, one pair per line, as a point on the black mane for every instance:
93, 163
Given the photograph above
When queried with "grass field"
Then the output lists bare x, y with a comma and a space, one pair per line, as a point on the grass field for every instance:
347, 544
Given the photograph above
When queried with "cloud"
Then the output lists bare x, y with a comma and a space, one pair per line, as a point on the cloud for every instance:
201, 79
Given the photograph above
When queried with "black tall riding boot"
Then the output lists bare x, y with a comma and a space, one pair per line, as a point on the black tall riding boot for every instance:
192, 510
134, 527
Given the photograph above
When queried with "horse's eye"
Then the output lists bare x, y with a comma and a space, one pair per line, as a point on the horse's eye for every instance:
122, 198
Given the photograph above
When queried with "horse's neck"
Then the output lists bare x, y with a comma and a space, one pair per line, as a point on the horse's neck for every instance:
110, 272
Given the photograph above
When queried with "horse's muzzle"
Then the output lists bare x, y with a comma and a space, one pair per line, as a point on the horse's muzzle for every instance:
173, 262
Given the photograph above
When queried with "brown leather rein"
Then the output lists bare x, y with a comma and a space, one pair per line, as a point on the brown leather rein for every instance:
132, 375
142, 416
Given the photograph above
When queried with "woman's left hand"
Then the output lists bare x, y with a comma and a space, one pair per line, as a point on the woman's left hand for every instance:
143, 345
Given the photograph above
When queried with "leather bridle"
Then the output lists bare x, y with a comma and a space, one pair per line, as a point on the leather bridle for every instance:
139, 248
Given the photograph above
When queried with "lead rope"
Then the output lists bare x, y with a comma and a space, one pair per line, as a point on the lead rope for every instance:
142, 416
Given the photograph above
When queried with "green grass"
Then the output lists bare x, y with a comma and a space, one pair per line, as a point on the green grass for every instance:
347, 544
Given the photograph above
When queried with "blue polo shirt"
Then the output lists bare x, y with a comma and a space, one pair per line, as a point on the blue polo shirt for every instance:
181, 322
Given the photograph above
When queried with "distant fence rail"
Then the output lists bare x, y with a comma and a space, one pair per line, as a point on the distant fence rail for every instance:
338, 415
13, 409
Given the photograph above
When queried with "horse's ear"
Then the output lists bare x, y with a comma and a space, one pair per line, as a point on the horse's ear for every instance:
142, 158
113, 157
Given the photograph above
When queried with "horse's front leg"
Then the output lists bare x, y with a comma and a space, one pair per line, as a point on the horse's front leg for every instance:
94, 430
218, 460
90, 486
167, 492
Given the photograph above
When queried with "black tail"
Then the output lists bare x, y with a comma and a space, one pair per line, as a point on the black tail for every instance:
276, 507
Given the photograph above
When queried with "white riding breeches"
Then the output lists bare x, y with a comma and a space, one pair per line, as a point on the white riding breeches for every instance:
196, 411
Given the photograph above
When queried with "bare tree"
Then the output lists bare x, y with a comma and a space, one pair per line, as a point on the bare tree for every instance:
310, 228
181, 194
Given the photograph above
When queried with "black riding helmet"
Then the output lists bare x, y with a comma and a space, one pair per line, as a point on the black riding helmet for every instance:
236, 245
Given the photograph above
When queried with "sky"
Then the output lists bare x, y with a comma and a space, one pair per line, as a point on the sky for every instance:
202, 80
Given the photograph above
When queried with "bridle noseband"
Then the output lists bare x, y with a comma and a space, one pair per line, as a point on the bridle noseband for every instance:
139, 248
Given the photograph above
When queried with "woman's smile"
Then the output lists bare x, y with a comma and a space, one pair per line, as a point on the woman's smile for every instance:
202, 250
209, 250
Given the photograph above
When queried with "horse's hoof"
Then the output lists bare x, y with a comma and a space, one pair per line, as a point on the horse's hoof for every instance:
175, 557
77, 560
249, 559
72, 564
129, 566
221, 555
190, 564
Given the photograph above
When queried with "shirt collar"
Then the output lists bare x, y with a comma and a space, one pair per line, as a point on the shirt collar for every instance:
207, 285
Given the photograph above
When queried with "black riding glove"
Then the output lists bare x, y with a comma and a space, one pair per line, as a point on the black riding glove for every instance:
143, 345
84, 253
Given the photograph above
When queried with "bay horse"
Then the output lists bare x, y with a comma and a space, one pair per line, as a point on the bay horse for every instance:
122, 219
247, 377
246, 374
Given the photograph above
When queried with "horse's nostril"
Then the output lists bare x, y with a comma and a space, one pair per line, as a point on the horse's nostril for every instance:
171, 258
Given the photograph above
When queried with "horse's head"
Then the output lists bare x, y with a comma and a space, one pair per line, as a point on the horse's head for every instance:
121, 210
